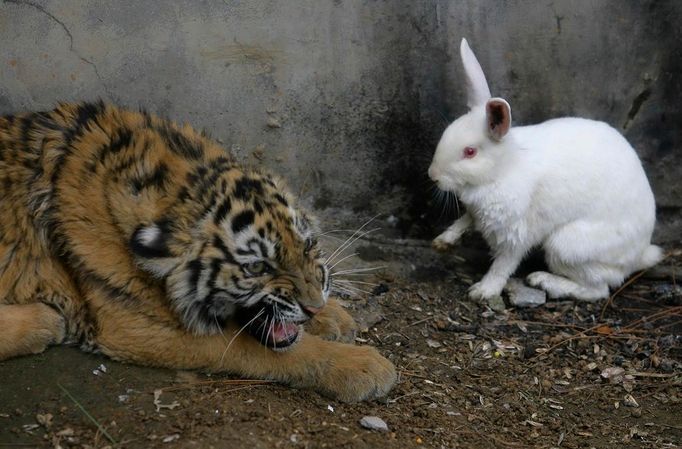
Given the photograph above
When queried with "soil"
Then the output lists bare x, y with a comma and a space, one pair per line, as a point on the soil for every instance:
563, 375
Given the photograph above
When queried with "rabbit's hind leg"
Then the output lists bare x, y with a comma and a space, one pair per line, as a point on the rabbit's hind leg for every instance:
561, 287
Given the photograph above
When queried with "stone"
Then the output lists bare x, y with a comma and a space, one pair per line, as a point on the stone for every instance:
520, 295
496, 304
374, 423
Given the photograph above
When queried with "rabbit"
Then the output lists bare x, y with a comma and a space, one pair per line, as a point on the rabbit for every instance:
573, 186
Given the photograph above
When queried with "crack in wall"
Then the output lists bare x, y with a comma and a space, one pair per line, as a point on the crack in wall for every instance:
636, 105
69, 35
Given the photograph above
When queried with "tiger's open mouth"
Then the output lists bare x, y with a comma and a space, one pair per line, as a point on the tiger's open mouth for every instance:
270, 332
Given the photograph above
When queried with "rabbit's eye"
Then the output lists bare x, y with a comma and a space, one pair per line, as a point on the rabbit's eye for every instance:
469, 152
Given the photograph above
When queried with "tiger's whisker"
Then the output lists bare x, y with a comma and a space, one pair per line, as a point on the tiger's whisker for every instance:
341, 260
356, 289
358, 270
271, 332
332, 231
351, 237
239, 332
374, 284
348, 243
222, 332
338, 288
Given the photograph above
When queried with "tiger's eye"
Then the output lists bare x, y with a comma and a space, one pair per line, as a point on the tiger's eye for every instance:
320, 274
255, 268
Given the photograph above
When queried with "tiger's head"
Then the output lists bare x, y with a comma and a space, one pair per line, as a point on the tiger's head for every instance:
237, 249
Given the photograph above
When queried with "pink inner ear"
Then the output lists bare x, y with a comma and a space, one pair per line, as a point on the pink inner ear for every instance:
498, 116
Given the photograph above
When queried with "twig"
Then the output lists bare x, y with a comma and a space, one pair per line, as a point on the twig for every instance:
657, 375
421, 321
665, 313
88, 415
622, 287
392, 401
221, 382
542, 323
41, 443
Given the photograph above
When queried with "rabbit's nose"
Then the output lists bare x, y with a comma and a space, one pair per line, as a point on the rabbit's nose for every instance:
434, 173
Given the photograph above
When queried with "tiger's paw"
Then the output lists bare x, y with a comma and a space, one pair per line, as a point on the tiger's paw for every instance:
333, 323
50, 329
357, 373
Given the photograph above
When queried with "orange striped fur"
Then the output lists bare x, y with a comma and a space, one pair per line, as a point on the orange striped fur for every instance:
147, 241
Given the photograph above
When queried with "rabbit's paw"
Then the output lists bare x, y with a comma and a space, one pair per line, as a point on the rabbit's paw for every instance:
540, 279
333, 323
357, 373
485, 289
445, 241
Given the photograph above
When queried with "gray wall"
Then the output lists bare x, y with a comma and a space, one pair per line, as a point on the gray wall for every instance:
347, 99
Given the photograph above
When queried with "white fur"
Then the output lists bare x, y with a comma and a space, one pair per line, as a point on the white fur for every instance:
573, 186
148, 235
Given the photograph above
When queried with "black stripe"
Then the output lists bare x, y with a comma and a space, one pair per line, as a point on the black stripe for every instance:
242, 220
204, 180
245, 187
123, 139
26, 128
45, 120
179, 144
281, 199
263, 248
85, 112
194, 267
10, 120
155, 179
215, 270
219, 244
222, 211
203, 313
246, 252
112, 291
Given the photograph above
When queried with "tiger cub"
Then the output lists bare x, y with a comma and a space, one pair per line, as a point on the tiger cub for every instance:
145, 240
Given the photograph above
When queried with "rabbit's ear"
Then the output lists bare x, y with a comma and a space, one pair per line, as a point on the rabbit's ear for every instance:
477, 87
498, 117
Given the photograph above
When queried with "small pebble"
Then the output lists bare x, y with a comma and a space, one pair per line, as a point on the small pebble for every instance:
374, 423
496, 303
590, 366
613, 374
630, 401
521, 295
433, 343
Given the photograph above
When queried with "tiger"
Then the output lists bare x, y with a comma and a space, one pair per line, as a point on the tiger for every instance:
145, 240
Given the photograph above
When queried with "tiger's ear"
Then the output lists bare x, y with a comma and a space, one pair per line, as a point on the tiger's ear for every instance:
150, 241
150, 244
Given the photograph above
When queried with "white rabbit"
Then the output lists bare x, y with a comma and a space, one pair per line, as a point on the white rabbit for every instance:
571, 185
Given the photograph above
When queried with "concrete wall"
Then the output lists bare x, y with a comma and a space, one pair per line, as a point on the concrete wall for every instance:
347, 99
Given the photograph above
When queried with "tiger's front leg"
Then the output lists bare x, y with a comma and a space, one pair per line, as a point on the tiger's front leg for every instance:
345, 372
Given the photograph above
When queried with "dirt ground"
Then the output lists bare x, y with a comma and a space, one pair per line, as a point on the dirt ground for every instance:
565, 375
